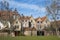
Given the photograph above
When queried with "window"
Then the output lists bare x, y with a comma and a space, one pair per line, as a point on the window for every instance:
38, 22
16, 27
58, 11
31, 21
29, 24
57, 17
46, 21
3, 15
25, 20
32, 25
7, 26
40, 27
22, 20
17, 22
41, 21
0, 27
0, 14
14, 16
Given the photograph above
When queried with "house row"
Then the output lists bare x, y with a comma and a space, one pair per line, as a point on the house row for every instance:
14, 24
31, 26
11, 23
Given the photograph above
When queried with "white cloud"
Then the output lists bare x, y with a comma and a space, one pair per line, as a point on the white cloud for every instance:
18, 5
25, 5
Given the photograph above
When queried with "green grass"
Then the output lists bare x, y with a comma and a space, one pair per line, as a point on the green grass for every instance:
31, 38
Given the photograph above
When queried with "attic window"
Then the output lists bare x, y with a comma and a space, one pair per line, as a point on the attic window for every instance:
38, 22
25, 20
41, 22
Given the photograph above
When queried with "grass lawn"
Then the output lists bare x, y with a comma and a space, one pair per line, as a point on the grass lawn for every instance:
31, 38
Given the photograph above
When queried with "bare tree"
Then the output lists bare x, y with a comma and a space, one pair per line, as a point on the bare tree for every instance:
53, 10
4, 5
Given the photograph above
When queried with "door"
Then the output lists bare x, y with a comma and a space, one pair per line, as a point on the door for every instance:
40, 33
17, 33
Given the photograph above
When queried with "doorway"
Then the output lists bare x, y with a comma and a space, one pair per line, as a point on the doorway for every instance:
17, 33
40, 33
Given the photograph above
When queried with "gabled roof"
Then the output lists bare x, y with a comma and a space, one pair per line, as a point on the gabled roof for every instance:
6, 14
25, 18
43, 18
40, 19
57, 23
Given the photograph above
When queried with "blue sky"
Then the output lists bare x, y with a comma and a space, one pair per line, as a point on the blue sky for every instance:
36, 8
